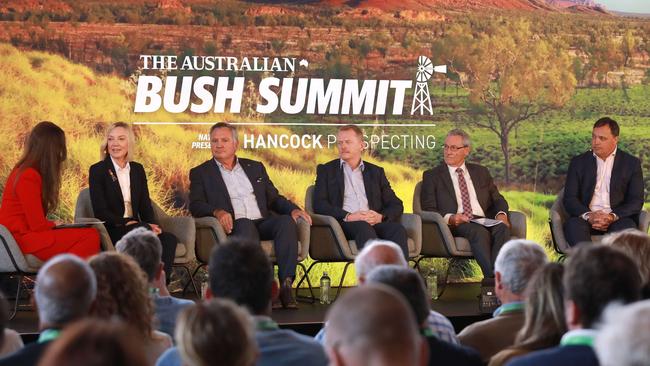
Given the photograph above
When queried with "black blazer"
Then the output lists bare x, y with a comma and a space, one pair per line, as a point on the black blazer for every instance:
438, 193
560, 356
442, 353
106, 194
330, 189
625, 191
208, 191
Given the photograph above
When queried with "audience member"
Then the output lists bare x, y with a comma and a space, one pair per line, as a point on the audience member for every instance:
373, 325
624, 339
144, 246
636, 244
10, 340
381, 252
216, 332
240, 271
409, 283
544, 322
122, 292
594, 276
515, 265
64, 292
94, 342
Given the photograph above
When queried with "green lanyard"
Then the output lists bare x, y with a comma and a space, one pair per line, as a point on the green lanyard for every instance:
508, 308
427, 332
49, 335
582, 337
265, 324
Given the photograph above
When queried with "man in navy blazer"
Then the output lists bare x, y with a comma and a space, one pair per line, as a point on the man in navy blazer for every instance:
240, 194
358, 194
604, 187
594, 276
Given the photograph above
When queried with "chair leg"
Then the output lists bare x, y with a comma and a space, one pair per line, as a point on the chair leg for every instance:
312, 298
345, 271
191, 281
19, 285
450, 264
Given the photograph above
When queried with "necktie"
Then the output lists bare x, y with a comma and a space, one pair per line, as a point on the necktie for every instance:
464, 192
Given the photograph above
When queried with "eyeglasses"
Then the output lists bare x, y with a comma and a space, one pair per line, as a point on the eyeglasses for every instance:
453, 148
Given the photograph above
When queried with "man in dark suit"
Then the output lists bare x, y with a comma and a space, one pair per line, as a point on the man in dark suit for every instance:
594, 276
462, 191
604, 187
240, 194
64, 292
358, 194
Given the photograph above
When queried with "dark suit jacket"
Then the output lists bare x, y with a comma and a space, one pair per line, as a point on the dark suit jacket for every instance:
106, 194
438, 193
626, 187
330, 190
26, 356
208, 191
442, 353
558, 356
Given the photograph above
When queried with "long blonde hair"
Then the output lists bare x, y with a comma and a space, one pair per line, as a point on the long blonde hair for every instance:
103, 150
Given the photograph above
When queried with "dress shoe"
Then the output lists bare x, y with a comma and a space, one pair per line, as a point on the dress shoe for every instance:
286, 295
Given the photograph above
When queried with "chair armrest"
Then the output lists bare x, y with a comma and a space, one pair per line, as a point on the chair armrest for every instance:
413, 225
432, 217
518, 224
211, 222
183, 228
337, 231
644, 221
104, 238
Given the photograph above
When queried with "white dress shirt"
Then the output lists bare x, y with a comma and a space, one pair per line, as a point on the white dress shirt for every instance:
240, 190
600, 199
354, 198
477, 210
124, 178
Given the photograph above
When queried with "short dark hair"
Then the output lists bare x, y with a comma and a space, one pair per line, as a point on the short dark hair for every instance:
143, 246
606, 121
240, 270
354, 128
596, 275
408, 283
232, 128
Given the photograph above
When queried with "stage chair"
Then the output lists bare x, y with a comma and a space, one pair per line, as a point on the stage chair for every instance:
181, 226
438, 241
14, 264
558, 216
210, 233
330, 245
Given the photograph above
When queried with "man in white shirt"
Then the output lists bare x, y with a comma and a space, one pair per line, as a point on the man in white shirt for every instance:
461, 191
604, 187
240, 194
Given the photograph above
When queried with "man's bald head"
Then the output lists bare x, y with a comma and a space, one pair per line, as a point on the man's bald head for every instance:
373, 325
376, 253
65, 289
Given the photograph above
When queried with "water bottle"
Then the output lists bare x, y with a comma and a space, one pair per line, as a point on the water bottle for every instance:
325, 289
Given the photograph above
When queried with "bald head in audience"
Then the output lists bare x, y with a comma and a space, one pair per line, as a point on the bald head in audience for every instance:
374, 325
376, 253
65, 290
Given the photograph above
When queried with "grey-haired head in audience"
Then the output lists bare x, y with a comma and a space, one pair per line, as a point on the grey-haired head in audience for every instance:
375, 253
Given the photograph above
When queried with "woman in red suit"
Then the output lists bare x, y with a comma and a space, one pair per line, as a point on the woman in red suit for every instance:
32, 191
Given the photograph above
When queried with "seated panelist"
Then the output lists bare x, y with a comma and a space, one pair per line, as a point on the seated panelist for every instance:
120, 195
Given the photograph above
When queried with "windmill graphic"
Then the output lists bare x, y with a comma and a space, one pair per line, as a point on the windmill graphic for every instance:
422, 99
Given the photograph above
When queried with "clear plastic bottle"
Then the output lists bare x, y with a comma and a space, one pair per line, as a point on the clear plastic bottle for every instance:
325, 284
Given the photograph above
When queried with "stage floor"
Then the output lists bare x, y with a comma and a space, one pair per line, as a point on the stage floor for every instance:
459, 303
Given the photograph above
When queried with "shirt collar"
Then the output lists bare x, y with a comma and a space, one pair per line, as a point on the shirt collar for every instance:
361, 165
221, 166
613, 154
127, 167
263, 322
508, 308
578, 337
453, 169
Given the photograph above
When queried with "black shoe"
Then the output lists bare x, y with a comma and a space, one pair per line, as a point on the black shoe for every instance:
286, 295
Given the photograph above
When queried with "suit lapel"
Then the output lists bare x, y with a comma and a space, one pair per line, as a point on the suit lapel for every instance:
590, 177
114, 182
617, 171
340, 184
135, 190
367, 180
215, 177
480, 196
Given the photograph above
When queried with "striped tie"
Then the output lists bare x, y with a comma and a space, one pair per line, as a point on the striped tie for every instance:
464, 193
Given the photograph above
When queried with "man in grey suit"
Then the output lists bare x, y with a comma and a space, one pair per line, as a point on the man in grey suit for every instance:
461, 191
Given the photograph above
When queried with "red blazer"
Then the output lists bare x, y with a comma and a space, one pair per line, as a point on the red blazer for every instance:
22, 211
